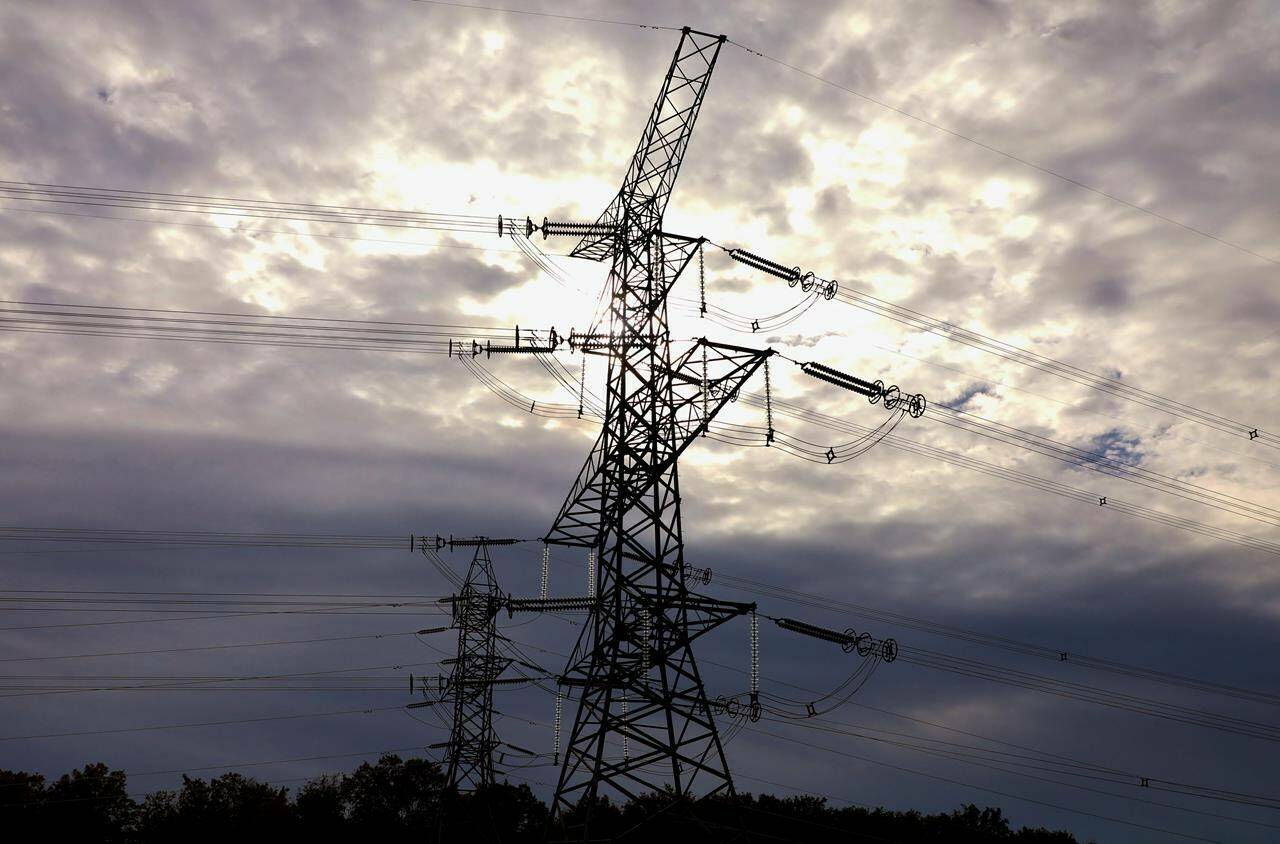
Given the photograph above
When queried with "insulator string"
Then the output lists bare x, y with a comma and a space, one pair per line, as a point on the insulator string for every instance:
555, 746
706, 420
768, 406
546, 571
626, 723
591, 573
702, 284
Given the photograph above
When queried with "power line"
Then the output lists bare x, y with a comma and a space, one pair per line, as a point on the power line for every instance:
251, 329
1064, 764
947, 662
197, 724
154, 651
82, 196
963, 754
551, 15
1007, 795
1055, 655
254, 231
333, 612
1073, 405
202, 683
823, 454
1068, 372
1006, 351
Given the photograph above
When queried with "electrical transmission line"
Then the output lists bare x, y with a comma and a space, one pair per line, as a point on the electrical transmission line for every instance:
759, 436
354, 215
38, 195
1006, 351
249, 329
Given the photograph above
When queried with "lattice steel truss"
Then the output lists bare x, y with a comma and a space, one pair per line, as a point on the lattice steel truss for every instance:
633, 667
476, 670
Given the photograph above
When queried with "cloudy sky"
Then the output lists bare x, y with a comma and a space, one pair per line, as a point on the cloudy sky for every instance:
406, 105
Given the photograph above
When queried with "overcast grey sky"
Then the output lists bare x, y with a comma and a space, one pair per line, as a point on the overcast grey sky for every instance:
409, 105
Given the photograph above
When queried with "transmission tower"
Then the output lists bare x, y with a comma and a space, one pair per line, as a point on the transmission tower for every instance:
476, 669
638, 687
633, 665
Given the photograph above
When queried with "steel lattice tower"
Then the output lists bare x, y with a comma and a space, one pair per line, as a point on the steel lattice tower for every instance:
476, 668
633, 665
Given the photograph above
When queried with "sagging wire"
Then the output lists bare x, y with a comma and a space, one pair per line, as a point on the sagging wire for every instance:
724, 432
745, 324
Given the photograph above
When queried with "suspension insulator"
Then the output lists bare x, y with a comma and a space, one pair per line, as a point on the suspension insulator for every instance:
646, 640
755, 660
871, 390
555, 748
550, 227
791, 276
546, 572
591, 573
515, 605
626, 720
472, 541
806, 629
490, 350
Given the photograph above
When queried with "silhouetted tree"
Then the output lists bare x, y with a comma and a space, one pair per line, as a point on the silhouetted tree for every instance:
393, 795
320, 808
89, 804
222, 809
21, 806
409, 797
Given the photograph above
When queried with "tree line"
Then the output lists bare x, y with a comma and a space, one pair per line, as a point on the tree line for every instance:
411, 797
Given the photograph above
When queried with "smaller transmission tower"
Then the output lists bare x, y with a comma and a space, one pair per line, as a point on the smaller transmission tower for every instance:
476, 670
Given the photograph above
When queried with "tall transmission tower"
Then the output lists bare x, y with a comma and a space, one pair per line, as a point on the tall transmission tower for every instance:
643, 722
633, 664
